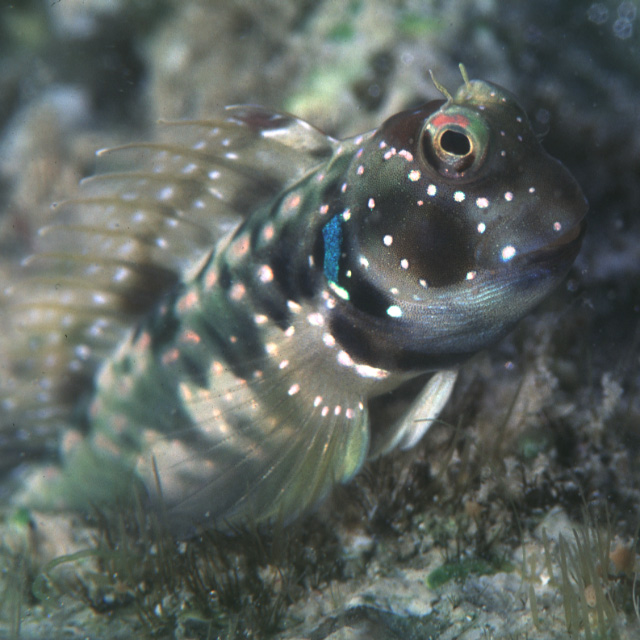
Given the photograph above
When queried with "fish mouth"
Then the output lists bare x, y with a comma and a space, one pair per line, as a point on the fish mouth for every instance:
561, 252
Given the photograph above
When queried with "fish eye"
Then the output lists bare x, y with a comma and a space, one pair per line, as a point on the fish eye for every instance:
454, 145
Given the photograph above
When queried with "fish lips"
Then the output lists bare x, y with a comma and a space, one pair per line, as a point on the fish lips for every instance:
536, 238
556, 256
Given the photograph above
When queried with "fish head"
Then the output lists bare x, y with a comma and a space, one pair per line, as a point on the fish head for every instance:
459, 222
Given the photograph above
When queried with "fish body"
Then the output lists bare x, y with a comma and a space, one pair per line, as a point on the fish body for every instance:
232, 305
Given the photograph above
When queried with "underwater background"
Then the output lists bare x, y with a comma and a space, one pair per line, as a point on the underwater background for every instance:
517, 516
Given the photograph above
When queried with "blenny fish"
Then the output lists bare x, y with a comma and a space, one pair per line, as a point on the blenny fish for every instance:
211, 317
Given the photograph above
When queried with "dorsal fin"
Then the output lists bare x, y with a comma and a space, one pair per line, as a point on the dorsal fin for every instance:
126, 239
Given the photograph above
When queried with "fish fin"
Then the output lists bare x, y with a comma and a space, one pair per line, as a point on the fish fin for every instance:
112, 252
267, 446
415, 422
251, 469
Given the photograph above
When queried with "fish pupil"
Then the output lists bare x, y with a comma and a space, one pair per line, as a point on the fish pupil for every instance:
450, 151
455, 143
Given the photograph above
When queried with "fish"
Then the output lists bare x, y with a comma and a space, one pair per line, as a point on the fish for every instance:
211, 318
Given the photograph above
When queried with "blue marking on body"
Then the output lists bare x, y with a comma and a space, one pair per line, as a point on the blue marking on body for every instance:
332, 234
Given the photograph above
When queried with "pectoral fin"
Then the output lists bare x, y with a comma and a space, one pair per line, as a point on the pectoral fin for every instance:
410, 428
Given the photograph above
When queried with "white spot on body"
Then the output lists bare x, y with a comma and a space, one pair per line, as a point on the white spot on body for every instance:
268, 232
237, 291
404, 263
165, 193
293, 389
315, 319
217, 368
371, 204
345, 359
328, 339
459, 196
557, 226
96, 329
414, 175
508, 196
482, 203
271, 348
82, 351
394, 311
432, 190
341, 292
265, 273
387, 240
120, 274
508, 252
366, 371
482, 227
